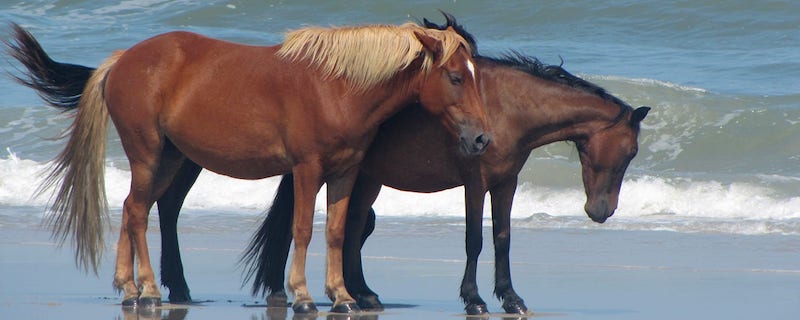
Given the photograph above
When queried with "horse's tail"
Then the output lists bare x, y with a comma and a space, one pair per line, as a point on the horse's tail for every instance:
79, 207
265, 257
59, 84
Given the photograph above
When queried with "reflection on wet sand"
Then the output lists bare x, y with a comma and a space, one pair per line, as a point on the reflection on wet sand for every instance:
180, 312
174, 313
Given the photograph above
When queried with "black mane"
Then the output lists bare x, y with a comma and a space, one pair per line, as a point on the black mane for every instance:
532, 65
528, 64
451, 22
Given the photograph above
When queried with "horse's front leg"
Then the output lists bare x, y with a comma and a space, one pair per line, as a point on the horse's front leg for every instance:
474, 304
360, 224
502, 199
307, 182
339, 190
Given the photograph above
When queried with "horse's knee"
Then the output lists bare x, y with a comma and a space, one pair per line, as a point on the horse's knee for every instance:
504, 236
335, 236
502, 241
301, 236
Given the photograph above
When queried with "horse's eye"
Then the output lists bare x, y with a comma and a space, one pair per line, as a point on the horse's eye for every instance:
455, 78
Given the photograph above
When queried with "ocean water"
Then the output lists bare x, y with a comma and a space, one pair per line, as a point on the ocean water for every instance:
719, 152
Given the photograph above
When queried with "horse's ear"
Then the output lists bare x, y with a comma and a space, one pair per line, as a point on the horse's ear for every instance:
639, 114
430, 25
433, 45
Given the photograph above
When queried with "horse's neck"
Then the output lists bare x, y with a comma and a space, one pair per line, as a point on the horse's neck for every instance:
387, 99
544, 112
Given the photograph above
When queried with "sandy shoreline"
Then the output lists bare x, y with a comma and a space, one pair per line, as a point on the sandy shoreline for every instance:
416, 268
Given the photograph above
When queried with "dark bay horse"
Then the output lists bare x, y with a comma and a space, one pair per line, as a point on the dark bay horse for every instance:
529, 104
310, 106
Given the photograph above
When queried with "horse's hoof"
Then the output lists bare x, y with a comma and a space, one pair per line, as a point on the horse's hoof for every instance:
304, 308
348, 307
130, 303
476, 309
516, 307
149, 302
370, 303
277, 299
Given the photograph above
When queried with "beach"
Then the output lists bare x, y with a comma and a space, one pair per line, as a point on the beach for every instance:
708, 220
416, 269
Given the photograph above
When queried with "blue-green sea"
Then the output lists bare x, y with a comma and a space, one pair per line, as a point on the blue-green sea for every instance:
719, 152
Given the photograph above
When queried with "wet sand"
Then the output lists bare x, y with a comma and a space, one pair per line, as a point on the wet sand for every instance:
416, 267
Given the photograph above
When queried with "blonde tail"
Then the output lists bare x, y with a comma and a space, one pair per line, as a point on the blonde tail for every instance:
80, 209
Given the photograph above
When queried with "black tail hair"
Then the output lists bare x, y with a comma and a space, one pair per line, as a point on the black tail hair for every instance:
59, 84
265, 258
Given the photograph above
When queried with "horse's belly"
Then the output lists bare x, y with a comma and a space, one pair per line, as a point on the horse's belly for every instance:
412, 152
239, 158
421, 180
248, 169
424, 165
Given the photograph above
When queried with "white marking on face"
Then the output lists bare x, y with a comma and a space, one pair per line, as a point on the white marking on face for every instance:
471, 68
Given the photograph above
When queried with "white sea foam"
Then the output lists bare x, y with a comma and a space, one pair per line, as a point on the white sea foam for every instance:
646, 202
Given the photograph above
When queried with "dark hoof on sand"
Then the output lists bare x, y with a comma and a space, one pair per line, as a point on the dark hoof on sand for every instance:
370, 303
277, 300
304, 308
150, 302
515, 308
476, 309
131, 303
348, 308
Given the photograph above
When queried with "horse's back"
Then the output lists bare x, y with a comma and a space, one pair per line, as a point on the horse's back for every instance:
208, 97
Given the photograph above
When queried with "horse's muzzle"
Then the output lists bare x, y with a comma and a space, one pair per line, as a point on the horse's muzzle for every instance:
600, 212
473, 145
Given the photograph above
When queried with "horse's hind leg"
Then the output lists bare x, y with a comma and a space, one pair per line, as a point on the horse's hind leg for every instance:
123, 274
169, 206
502, 198
153, 165
133, 236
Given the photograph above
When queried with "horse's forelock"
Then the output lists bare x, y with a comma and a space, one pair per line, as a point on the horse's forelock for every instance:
451, 41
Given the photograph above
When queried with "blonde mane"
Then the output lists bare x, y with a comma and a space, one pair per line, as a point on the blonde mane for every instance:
366, 55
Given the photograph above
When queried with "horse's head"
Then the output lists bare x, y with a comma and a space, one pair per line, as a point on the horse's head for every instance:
450, 92
604, 157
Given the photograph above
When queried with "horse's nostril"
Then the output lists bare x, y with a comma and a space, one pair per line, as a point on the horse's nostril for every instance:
483, 140
479, 139
476, 145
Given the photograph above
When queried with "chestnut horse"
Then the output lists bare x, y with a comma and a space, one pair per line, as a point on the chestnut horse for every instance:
529, 104
237, 110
